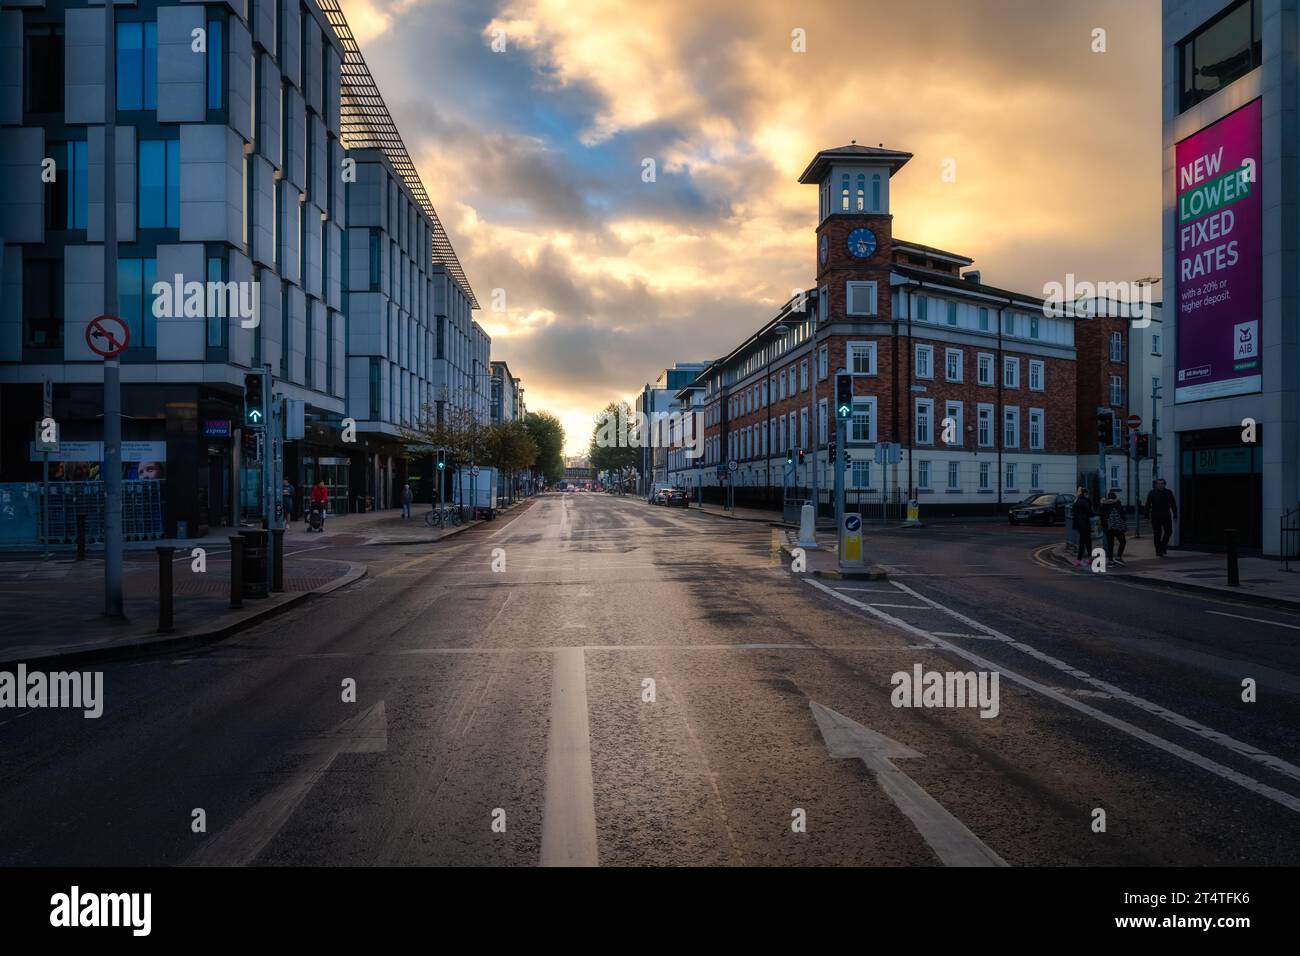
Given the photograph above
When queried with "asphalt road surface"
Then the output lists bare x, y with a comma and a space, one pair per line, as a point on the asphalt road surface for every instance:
593, 680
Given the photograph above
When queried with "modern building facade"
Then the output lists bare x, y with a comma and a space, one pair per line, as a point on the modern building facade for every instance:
656, 402
507, 400
1231, 111
232, 172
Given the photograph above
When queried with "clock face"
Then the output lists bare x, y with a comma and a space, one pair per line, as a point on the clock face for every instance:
825, 248
862, 243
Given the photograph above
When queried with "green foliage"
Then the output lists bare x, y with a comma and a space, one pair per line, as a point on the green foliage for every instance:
548, 435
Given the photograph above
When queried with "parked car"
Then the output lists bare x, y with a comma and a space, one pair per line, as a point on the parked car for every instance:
675, 498
1040, 509
655, 489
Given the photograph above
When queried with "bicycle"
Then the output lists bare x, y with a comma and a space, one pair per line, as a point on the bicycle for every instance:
443, 517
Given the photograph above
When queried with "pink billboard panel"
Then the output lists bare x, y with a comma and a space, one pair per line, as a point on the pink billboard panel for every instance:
1218, 240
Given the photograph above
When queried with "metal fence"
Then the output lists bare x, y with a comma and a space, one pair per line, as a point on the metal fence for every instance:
1289, 537
33, 514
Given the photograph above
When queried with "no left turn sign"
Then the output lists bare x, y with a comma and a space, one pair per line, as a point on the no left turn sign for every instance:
107, 335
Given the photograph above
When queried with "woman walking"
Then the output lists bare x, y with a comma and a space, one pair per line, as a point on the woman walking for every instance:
1114, 525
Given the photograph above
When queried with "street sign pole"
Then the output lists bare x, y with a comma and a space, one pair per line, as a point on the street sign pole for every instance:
112, 368
841, 437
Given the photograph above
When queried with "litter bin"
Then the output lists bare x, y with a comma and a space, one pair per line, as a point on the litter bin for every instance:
254, 563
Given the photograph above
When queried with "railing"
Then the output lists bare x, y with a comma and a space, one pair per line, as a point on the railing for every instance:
32, 513
1289, 537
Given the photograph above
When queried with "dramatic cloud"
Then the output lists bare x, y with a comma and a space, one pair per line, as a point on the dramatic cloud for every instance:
534, 157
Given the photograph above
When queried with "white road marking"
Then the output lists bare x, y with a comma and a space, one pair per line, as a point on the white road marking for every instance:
1249, 751
914, 607
1227, 773
569, 814
950, 839
241, 842
1259, 620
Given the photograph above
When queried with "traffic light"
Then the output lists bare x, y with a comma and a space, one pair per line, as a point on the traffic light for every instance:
1142, 446
843, 395
442, 459
789, 457
1105, 427
801, 456
254, 400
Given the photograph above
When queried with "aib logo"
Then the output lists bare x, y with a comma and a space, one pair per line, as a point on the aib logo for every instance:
1246, 340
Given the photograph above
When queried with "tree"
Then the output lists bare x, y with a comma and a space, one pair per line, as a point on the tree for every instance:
548, 435
612, 456
509, 448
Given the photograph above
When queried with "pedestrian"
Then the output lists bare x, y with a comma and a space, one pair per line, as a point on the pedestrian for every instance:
1162, 510
286, 500
1083, 527
1114, 527
319, 496
407, 498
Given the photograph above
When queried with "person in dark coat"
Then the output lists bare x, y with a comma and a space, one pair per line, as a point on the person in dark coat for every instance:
1114, 527
1083, 526
1163, 512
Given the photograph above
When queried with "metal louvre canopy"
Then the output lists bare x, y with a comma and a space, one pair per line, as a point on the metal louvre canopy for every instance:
366, 124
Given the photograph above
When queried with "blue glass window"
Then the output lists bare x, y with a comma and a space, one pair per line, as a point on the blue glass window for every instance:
135, 280
159, 199
137, 66
77, 188
216, 71
216, 324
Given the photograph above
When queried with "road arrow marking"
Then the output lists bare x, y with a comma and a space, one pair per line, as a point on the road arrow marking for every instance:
240, 843
947, 836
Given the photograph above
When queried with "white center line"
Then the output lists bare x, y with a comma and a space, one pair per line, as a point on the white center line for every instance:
1258, 620
569, 815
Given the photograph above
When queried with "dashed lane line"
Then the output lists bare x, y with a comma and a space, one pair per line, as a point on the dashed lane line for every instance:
1227, 773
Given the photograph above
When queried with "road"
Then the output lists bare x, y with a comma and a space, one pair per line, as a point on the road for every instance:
596, 681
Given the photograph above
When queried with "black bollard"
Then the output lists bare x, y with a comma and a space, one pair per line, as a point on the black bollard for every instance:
166, 555
81, 537
1230, 541
236, 571
277, 568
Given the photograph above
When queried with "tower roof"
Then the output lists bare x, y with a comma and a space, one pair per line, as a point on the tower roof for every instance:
853, 154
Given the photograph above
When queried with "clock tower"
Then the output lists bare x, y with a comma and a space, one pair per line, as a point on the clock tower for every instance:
854, 227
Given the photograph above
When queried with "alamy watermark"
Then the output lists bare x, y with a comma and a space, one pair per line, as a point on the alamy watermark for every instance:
196, 300
25, 689
617, 428
922, 688
1073, 299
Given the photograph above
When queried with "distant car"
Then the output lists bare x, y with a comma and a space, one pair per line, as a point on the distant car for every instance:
1040, 509
656, 490
675, 498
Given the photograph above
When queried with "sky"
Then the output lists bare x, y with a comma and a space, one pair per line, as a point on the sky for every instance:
591, 280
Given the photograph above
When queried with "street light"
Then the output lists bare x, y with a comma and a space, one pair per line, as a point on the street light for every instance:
779, 332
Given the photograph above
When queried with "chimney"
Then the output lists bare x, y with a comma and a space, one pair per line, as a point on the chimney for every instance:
972, 276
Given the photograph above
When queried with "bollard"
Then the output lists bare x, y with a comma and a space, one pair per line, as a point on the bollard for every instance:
166, 555
236, 571
1230, 541
81, 537
277, 569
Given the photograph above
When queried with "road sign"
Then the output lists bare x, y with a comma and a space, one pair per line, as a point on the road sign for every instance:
1135, 421
851, 540
888, 453
107, 335
733, 465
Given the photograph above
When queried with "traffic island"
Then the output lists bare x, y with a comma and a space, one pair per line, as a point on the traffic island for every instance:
824, 562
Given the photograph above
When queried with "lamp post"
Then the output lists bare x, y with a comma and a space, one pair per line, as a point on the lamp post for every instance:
779, 332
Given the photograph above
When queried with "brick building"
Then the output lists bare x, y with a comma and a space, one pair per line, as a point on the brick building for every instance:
983, 389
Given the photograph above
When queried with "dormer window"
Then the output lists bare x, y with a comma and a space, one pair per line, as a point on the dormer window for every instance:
844, 193
862, 192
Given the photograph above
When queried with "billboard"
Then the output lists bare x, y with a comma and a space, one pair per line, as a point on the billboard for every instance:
1218, 241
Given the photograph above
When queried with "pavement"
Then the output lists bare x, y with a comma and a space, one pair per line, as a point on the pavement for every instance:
1262, 580
590, 680
53, 609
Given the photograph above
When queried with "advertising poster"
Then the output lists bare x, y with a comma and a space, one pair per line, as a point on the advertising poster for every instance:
1218, 240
